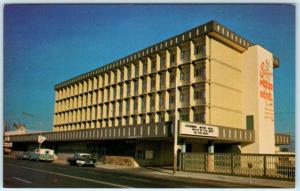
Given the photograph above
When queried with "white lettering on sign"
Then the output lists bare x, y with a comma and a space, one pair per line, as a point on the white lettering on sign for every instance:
198, 130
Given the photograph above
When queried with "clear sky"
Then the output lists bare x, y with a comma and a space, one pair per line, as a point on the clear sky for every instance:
47, 44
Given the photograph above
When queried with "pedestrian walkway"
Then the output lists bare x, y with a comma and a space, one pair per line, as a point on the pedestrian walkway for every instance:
263, 182
168, 171
226, 178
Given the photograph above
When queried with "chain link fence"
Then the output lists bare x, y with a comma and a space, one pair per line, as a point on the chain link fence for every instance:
258, 165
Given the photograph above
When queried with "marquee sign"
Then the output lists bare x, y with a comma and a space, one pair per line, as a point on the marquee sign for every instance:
198, 130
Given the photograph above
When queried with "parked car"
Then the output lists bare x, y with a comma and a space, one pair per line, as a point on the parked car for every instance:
42, 154
286, 166
82, 159
23, 155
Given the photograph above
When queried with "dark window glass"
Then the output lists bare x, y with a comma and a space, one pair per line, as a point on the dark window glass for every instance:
250, 122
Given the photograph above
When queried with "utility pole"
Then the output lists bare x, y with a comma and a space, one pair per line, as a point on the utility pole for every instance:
40, 123
175, 126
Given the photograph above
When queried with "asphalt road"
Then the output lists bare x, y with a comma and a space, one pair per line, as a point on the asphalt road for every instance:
31, 174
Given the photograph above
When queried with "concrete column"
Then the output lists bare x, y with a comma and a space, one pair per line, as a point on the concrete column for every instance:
157, 56
211, 157
167, 62
211, 147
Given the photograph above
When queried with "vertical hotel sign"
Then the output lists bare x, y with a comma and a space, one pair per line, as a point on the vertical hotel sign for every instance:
266, 88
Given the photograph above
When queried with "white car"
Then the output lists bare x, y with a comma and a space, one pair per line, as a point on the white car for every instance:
82, 159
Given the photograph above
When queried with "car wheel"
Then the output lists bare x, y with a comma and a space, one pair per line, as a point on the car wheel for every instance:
79, 164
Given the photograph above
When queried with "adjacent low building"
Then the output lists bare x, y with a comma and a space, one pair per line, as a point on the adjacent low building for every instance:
215, 84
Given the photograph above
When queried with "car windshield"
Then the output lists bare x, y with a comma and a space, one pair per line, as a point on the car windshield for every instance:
85, 156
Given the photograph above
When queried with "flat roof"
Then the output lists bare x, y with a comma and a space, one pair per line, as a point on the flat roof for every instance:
212, 28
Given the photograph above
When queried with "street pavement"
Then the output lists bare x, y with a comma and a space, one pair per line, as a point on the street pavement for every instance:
31, 174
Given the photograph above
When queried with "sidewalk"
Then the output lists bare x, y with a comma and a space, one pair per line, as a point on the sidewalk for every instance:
263, 182
225, 178
150, 171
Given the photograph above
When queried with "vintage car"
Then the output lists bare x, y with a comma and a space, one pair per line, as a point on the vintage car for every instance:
286, 166
23, 155
82, 159
42, 155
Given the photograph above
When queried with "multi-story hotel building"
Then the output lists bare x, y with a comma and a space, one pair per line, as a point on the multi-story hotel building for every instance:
218, 84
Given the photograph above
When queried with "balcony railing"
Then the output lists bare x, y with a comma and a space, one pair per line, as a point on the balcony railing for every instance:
161, 107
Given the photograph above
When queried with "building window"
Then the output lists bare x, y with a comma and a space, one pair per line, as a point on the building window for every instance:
250, 122
182, 55
152, 102
172, 78
121, 91
152, 119
145, 69
162, 82
144, 119
181, 97
161, 100
127, 121
140, 154
171, 99
172, 58
199, 117
197, 50
136, 87
199, 72
162, 117
135, 104
197, 95
184, 116
120, 108
128, 73
114, 92
153, 65
120, 121
122, 74
200, 50
162, 62
128, 89
144, 85
181, 76
153, 82
136, 70
115, 72
127, 107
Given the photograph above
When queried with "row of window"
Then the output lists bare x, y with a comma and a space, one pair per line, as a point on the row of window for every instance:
92, 84
133, 120
82, 101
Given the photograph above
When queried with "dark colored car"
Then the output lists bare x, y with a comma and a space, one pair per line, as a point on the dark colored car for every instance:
82, 159
23, 155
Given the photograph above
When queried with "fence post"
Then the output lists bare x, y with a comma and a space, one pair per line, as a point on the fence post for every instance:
205, 162
265, 165
180, 161
231, 160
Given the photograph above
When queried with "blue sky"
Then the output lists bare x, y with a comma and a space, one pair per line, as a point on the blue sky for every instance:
48, 44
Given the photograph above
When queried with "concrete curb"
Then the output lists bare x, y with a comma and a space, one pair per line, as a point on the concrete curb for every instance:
233, 179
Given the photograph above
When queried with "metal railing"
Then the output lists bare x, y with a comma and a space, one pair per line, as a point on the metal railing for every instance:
258, 165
